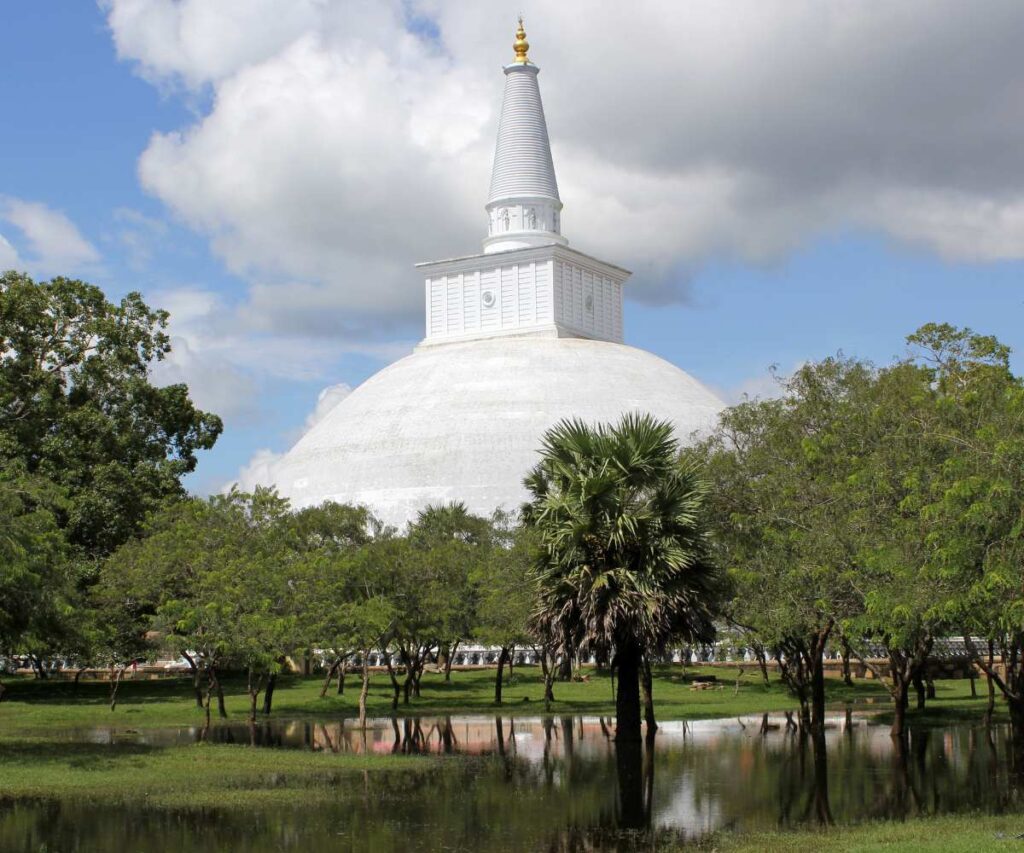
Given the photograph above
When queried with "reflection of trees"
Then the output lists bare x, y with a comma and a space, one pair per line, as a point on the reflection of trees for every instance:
561, 791
822, 809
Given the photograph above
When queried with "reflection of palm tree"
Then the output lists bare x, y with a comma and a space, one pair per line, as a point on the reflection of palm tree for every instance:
624, 564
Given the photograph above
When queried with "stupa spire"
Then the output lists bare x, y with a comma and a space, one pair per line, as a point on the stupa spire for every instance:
521, 46
523, 207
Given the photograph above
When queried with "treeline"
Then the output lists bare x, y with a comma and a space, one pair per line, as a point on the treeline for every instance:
865, 507
240, 582
877, 507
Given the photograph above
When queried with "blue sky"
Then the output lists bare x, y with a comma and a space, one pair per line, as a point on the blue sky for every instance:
272, 312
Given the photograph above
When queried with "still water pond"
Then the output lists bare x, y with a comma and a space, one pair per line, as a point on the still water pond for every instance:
552, 784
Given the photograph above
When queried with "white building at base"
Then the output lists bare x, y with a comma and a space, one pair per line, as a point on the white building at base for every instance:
517, 338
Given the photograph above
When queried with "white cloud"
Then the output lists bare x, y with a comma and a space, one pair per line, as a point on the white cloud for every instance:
55, 243
259, 471
201, 357
339, 144
9, 259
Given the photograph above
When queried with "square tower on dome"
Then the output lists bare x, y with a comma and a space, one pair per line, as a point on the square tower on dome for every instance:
527, 281
548, 290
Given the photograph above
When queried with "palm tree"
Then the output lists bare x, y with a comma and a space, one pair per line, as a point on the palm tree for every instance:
623, 563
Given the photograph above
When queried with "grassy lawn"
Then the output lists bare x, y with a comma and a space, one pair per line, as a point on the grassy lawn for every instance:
949, 834
200, 775
31, 704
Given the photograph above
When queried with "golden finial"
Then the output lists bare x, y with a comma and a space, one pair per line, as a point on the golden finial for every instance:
521, 45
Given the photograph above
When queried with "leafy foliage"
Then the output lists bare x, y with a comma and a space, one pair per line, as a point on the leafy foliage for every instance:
78, 408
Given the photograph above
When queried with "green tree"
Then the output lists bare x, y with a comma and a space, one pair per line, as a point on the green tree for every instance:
454, 541
888, 433
325, 537
77, 405
506, 595
623, 557
975, 503
785, 519
217, 579
35, 588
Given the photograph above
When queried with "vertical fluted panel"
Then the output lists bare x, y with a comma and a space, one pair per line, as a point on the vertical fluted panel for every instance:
522, 158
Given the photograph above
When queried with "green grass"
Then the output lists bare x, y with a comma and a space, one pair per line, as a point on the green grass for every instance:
180, 776
32, 705
948, 834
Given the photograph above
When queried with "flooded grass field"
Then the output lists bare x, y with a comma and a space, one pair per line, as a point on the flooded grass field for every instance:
513, 783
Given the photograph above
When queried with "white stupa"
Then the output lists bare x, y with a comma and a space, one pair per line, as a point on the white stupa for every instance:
517, 338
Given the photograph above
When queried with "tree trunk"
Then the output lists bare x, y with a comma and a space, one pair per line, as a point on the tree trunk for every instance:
565, 665
206, 710
268, 696
501, 673
547, 668
37, 666
254, 686
394, 680
197, 679
115, 683
452, 649
330, 677
817, 668
627, 697
762, 662
918, 681
365, 689
342, 669
419, 663
847, 679
410, 672
222, 710
647, 690
3, 691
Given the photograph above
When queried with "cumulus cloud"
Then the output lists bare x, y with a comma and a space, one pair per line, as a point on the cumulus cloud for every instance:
9, 259
261, 470
224, 360
55, 244
341, 142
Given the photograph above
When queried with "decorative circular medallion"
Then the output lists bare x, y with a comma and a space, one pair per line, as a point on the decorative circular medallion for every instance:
589, 302
488, 298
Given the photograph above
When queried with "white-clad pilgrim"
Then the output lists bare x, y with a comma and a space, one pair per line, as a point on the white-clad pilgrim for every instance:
517, 338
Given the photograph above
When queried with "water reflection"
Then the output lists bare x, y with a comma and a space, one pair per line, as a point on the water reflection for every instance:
512, 783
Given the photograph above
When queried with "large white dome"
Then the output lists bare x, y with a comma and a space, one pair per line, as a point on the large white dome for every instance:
463, 421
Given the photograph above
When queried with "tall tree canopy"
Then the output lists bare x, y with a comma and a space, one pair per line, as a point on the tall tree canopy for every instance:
34, 570
623, 561
77, 405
